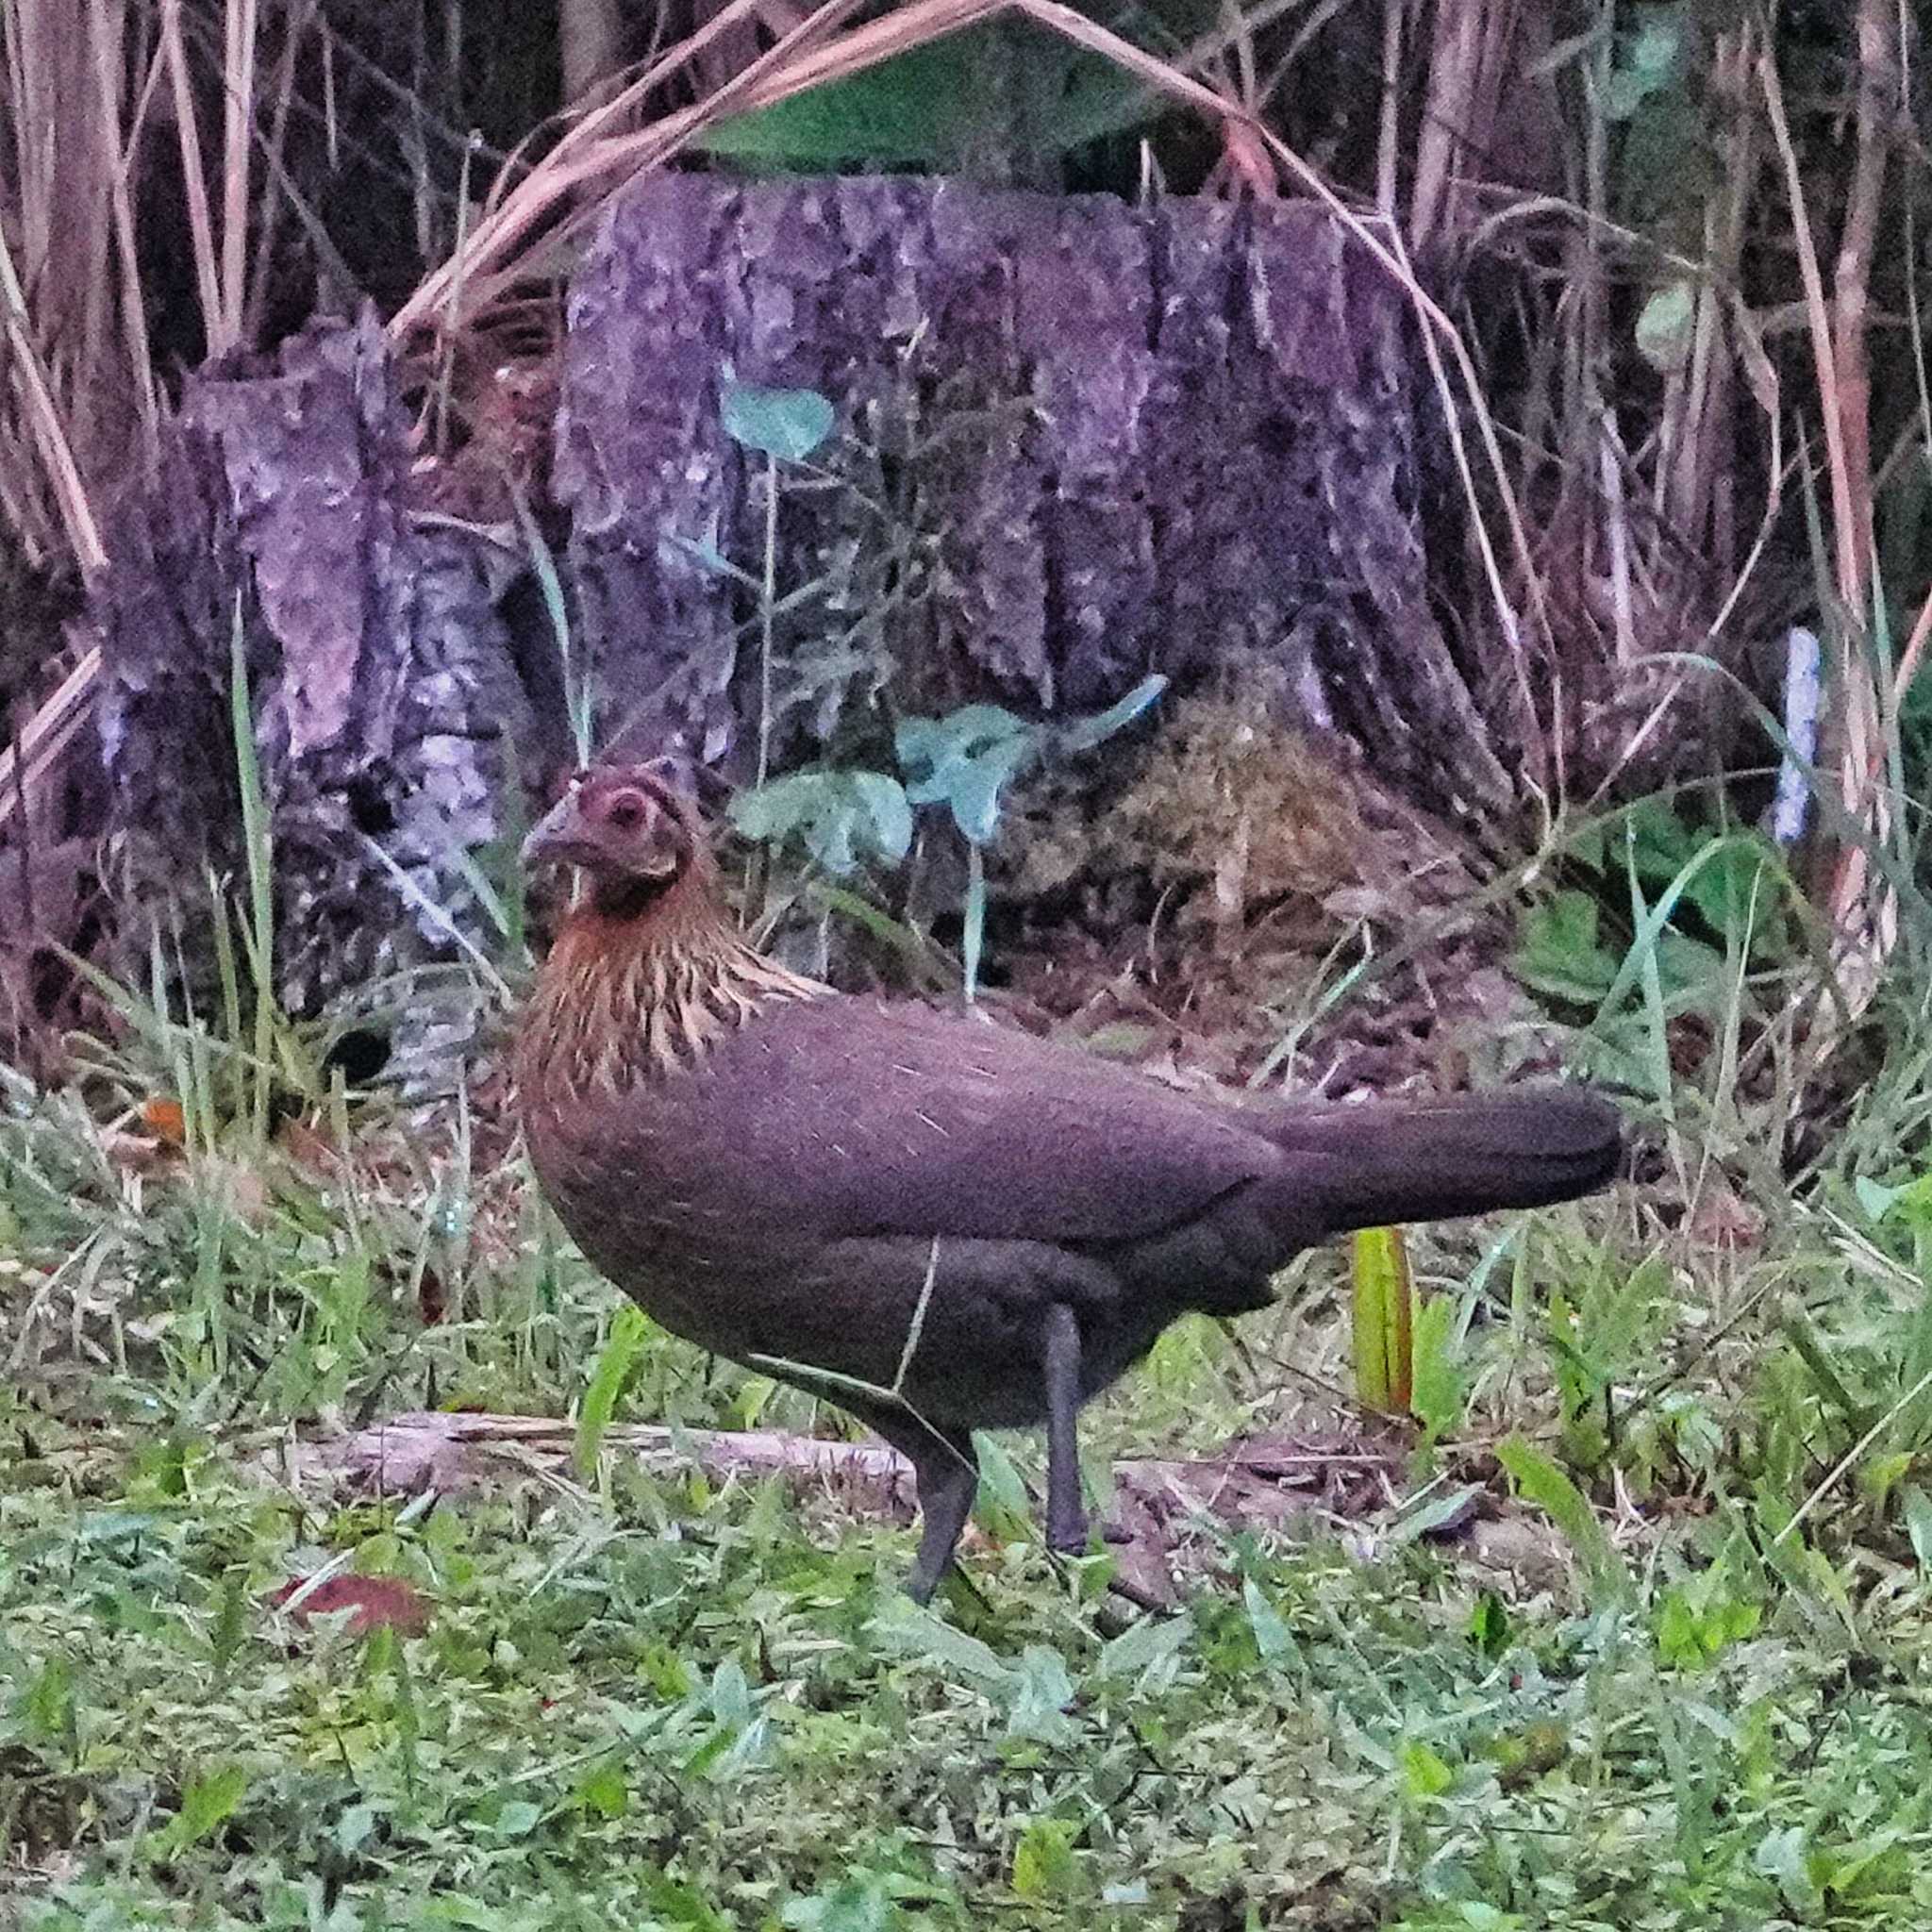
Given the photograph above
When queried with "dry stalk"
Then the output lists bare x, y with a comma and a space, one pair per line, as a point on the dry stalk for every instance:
1863, 915
201, 230
587, 157
238, 100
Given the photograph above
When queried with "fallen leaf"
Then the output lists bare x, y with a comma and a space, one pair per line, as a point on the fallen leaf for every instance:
378, 1602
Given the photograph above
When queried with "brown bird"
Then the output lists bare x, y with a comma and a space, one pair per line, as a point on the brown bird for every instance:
939, 1223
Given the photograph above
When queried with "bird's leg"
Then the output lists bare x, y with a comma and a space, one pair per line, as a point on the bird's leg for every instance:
946, 1472
948, 1481
1066, 1520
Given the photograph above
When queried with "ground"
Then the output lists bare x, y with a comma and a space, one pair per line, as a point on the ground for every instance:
1618, 1650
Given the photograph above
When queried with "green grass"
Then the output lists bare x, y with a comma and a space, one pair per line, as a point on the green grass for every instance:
668, 1701
685, 1715
1677, 1677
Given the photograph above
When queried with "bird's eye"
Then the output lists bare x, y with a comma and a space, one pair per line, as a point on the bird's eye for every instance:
625, 812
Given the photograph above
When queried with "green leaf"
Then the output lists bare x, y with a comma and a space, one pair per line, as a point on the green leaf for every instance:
1446, 1505
833, 812
887, 808
731, 1695
1384, 1317
206, 1805
666, 1673
914, 1631
963, 760
788, 423
1647, 64
932, 750
1440, 1393
860, 1902
603, 1790
46, 1707
519, 1818
1538, 1479
1488, 1625
977, 787
1783, 1854
1273, 1637
1147, 1646
675, 1902
628, 1330
1043, 1858
1667, 325
1002, 1508
912, 109
1558, 954
1044, 1691
939, 107
231, 1618
1424, 1774
1913, 1202
1918, 1514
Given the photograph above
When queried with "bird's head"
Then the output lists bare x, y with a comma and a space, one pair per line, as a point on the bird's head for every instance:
634, 831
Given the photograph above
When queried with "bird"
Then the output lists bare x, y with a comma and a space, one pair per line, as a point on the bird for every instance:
936, 1222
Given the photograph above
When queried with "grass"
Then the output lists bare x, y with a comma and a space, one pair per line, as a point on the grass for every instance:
701, 1719
1676, 1676
1637, 1640
667, 1700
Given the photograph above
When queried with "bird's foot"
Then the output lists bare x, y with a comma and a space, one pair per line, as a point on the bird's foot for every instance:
1067, 1534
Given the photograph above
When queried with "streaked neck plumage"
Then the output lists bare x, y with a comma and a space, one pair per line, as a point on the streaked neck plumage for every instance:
638, 984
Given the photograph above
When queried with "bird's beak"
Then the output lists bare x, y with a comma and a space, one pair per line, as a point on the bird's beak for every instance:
556, 839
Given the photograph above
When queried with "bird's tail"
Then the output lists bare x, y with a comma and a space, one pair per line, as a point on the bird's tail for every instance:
1392, 1160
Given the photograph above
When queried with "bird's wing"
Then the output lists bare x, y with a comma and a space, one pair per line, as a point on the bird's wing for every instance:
843, 1116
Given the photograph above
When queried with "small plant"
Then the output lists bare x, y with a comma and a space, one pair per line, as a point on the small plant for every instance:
963, 761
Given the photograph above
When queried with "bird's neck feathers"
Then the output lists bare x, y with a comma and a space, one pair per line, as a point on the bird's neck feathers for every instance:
640, 983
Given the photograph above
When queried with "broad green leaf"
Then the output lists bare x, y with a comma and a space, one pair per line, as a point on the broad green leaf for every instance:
963, 760
1918, 1514
932, 750
46, 1709
974, 795
1001, 1508
862, 1902
1273, 1637
604, 1790
914, 1631
731, 1695
519, 1818
832, 812
1043, 1691
1440, 1383
1666, 326
1647, 64
1424, 1775
1143, 1646
888, 809
1558, 952
780, 806
934, 108
922, 107
788, 423
1444, 1506
1489, 1624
